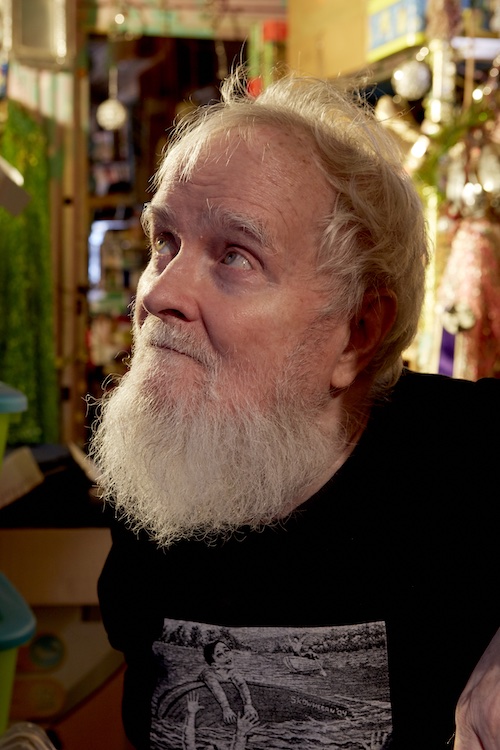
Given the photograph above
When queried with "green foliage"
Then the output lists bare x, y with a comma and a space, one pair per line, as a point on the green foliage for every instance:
474, 118
27, 352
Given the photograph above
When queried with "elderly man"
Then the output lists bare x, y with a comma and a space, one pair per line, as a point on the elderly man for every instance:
280, 484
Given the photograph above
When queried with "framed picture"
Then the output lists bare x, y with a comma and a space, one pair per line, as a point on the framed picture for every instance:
41, 32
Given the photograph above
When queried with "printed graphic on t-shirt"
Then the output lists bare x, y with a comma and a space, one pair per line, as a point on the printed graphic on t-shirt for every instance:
223, 688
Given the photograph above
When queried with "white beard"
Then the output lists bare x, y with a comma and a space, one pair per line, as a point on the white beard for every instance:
203, 457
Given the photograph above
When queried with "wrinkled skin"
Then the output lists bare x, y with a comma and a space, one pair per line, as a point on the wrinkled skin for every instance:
478, 710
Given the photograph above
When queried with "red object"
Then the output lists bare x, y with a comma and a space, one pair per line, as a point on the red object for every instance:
255, 86
274, 31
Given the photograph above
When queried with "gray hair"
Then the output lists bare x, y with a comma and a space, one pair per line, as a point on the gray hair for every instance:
374, 239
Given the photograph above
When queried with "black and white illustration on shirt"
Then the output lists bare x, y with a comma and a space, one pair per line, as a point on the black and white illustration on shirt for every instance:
224, 688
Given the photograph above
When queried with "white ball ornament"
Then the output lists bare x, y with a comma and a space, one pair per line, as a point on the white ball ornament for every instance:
412, 80
111, 114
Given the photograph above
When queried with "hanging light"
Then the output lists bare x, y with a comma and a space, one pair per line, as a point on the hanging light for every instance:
111, 114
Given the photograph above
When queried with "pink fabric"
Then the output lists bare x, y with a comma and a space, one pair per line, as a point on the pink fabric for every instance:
471, 282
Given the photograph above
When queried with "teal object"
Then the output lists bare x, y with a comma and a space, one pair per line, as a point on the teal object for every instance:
17, 621
17, 626
12, 402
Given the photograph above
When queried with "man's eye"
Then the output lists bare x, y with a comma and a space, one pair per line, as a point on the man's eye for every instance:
164, 244
237, 260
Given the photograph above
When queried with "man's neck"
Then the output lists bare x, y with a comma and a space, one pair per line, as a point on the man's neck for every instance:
351, 408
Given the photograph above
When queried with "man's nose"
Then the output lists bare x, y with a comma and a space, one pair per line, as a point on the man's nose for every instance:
173, 292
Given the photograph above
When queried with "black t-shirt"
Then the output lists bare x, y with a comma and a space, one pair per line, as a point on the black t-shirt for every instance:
364, 612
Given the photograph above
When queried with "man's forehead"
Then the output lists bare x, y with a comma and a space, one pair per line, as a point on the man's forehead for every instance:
288, 152
265, 184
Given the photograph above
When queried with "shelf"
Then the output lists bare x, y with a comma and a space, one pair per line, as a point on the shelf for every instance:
476, 48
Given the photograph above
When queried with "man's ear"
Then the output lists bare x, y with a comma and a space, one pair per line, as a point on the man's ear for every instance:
367, 331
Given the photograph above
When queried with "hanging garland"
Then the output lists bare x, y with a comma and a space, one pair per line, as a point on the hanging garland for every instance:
462, 162
27, 353
430, 170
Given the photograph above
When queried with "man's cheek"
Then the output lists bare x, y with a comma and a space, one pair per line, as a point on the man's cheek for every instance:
139, 312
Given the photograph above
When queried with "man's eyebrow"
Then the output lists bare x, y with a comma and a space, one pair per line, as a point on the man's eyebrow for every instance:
235, 221
152, 213
218, 216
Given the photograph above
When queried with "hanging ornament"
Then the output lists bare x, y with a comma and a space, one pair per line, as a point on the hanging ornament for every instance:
443, 19
474, 201
468, 297
412, 80
443, 22
495, 16
441, 103
488, 168
458, 317
111, 114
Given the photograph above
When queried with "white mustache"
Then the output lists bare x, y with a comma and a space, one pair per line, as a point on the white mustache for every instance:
153, 332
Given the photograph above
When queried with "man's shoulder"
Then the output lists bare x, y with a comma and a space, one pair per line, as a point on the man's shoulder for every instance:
440, 412
433, 437
424, 390
432, 381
